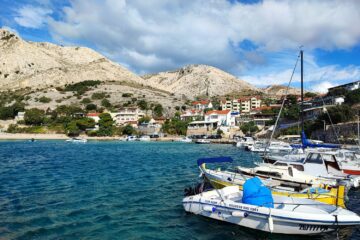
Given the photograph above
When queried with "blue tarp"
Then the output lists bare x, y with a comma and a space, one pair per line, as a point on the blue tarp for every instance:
256, 193
214, 160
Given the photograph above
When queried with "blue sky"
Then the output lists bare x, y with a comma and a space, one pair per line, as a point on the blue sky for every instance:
257, 41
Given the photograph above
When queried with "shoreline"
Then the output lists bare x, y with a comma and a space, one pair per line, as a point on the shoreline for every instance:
53, 136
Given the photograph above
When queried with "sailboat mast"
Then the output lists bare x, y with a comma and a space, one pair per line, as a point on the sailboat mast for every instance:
302, 91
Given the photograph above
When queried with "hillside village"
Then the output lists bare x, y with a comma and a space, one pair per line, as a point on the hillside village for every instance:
76, 91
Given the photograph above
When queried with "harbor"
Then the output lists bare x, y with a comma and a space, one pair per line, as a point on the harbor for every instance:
123, 189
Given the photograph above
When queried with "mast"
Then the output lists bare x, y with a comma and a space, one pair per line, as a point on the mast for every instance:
302, 91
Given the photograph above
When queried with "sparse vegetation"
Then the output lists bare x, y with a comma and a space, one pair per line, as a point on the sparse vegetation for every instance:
98, 95
44, 99
81, 87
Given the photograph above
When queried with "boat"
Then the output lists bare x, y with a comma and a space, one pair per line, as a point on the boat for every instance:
202, 141
316, 168
77, 140
144, 138
185, 140
131, 138
262, 147
284, 215
220, 179
245, 142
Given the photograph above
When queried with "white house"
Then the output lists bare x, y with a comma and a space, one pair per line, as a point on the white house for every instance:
223, 117
201, 105
127, 115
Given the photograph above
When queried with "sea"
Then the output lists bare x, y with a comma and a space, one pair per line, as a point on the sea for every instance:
115, 190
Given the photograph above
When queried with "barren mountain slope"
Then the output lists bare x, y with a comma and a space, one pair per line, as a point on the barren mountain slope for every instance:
40, 65
196, 80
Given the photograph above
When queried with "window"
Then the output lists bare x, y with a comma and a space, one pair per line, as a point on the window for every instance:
314, 158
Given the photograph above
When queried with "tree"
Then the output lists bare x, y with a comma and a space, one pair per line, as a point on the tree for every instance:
292, 112
34, 116
338, 114
105, 125
85, 123
175, 126
105, 103
91, 107
144, 119
183, 107
128, 130
352, 97
249, 128
142, 104
11, 111
158, 110
72, 129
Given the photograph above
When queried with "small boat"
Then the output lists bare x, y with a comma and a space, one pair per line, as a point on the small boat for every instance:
245, 142
256, 208
202, 141
77, 140
131, 138
220, 179
32, 140
144, 138
185, 139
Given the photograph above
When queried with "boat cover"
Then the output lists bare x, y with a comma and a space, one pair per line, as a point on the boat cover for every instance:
214, 160
256, 193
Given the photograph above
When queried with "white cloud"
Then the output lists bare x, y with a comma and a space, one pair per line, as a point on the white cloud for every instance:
316, 78
322, 87
32, 17
182, 32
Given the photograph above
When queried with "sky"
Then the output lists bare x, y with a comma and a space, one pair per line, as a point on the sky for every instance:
257, 41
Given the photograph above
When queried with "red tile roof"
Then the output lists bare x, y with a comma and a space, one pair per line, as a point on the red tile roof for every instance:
202, 102
92, 114
220, 112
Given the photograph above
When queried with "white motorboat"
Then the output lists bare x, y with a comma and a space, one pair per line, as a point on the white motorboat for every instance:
185, 140
131, 138
144, 138
262, 147
245, 142
202, 141
344, 161
77, 140
317, 167
286, 215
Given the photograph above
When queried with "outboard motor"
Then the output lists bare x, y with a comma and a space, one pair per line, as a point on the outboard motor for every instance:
199, 188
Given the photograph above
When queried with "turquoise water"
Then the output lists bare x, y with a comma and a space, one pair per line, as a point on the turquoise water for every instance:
111, 190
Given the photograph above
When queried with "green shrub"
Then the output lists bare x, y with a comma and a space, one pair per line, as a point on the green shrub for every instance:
85, 101
105, 103
44, 99
127, 95
34, 116
98, 95
81, 87
91, 107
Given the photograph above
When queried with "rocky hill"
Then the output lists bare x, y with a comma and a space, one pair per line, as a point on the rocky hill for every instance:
40, 65
197, 80
280, 90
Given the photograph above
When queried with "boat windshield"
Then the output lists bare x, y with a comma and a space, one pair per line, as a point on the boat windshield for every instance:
314, 158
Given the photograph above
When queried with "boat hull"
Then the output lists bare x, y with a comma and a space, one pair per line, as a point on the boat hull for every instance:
335, 197
255, 218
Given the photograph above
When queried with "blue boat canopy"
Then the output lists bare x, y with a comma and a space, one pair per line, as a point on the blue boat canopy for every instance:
306, 143
214, 160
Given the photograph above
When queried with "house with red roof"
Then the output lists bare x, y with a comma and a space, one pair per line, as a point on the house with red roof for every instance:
94, 116
201, 105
